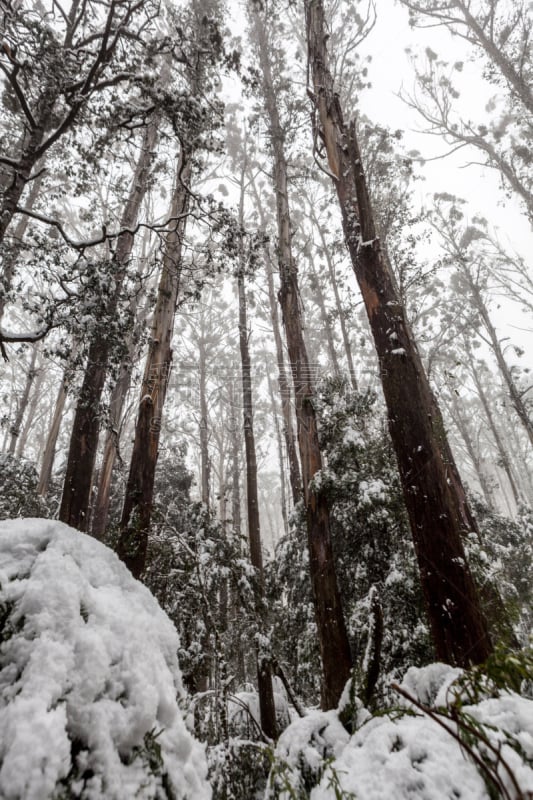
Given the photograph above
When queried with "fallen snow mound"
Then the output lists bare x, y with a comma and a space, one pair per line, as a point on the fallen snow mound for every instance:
89, 677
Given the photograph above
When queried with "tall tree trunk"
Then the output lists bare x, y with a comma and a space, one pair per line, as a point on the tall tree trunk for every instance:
30, 416
137, 510
47, 463
86, 425
332, 636
23, 403
500, 448
116, 408
264, 673
282, 488
284, 386
235, 464
204, 428
321, 302
338, 301
462, 427
514, 394
435, 500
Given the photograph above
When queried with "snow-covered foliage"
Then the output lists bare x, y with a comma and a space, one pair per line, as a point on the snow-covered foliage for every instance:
424, 748
18, 493
89, 676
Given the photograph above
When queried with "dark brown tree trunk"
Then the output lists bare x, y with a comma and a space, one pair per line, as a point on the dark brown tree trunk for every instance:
86, 425
137, 510
435, 500
332, 636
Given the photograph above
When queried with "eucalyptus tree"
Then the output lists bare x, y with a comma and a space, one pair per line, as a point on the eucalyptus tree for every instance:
499, 30
62, 66
194, 129
264, 671
332, 636
499, 35
434, 496
465, 253
86, 425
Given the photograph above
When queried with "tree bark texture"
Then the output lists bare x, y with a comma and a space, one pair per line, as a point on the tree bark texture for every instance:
137, 510
332, 636
435, 501
86, 425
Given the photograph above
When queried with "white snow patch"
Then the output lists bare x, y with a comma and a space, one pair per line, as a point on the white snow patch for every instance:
88, 675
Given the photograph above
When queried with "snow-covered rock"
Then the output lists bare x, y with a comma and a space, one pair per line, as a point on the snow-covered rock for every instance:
89, 677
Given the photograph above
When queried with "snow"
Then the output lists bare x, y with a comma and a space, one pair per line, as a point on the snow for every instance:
404, 755
89, 678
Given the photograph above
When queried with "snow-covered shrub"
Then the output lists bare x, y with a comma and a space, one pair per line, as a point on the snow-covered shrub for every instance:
456, 734
18, 489
238, 769
302, 754
89, 676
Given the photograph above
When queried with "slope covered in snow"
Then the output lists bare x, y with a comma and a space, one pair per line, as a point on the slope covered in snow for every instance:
89, 677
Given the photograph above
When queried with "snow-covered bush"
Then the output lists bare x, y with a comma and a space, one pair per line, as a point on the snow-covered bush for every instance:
456, 734
18, 490
89, 677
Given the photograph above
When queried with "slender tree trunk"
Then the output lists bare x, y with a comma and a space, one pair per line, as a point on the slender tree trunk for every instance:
137, 510
282, 488
235, 465
500, 448
333, 639
204, 429
321, 302
23, 403
515, 80
51, 441
435, 500
86, 425
264, 675
284, 387
338, 301
30, 416
116, 408
462, 427
514, 394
